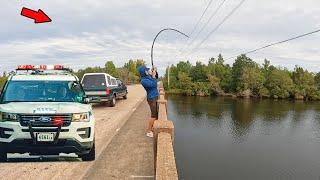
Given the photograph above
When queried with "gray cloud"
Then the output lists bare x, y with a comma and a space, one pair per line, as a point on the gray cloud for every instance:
89, 32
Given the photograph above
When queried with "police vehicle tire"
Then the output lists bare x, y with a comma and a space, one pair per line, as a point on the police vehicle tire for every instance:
113, 101
125, 97
3, 156
91, 156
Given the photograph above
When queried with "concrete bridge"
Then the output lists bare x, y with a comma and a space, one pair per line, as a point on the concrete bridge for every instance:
122, 149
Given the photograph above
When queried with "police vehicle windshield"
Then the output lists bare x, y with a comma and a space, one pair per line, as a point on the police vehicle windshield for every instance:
43, 91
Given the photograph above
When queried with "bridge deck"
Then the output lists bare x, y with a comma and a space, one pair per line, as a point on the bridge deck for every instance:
130, 153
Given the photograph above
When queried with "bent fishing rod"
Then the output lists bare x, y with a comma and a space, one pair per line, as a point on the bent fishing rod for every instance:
154, 40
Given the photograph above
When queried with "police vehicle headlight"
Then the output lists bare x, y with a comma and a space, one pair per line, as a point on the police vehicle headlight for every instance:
8, 117
80, 117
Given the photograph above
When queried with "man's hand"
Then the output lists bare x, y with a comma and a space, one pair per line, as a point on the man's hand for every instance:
154, 73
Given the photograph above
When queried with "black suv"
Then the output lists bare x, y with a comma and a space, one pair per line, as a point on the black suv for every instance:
104, 88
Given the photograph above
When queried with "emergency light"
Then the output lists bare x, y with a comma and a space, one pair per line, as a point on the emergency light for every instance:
41, 67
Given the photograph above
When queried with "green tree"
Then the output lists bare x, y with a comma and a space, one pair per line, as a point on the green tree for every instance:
215, 85
220, 59
266, 68
3, 80
253, 80
173, 77
184, 67
198, 72
201, 89
240, 77
124, 75
132, 67
212, 61
81, 72
279, 83
304, 84
111, 69
317, 80
217, 71
185, 83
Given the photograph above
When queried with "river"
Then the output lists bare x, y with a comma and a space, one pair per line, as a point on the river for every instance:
225, 138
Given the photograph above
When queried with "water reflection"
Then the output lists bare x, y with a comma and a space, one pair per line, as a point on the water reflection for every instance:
220, 137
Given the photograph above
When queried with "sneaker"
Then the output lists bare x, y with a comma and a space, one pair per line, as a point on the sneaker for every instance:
150, 134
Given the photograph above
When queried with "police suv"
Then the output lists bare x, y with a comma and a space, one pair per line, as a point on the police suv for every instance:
44, 111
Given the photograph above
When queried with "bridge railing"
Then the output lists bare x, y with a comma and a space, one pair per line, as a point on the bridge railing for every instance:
165, 164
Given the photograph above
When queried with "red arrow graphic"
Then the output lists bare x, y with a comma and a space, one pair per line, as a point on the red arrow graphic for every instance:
38, 16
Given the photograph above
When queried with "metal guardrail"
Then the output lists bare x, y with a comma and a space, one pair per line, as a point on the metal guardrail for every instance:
165, 164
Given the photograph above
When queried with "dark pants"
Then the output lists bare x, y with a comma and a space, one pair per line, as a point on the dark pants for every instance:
153, 107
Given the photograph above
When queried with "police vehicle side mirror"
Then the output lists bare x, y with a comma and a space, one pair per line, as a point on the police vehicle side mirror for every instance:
76, 87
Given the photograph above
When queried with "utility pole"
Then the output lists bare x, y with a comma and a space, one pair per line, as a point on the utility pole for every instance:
168, 75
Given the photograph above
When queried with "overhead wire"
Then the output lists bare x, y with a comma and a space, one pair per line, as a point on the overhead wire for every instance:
207, 23
197, 24
204, 12
277, 43
217, 27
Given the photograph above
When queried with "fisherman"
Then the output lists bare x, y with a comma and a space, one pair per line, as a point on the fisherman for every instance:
150, 83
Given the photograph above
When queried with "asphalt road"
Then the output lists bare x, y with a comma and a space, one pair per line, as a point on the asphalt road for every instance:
109, 121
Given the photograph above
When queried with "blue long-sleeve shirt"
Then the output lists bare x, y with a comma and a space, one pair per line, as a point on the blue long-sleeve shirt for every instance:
149, 84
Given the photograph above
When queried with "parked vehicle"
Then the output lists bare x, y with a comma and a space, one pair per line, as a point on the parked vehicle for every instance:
104, 87
44, 111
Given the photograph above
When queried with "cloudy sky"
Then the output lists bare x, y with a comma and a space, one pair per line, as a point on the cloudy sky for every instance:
89, 32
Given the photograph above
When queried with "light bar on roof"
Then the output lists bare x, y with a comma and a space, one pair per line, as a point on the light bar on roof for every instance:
41, 67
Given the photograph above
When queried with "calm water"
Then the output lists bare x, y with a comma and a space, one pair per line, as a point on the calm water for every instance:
224, 138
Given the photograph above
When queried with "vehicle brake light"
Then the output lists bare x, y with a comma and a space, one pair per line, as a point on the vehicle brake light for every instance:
107, 91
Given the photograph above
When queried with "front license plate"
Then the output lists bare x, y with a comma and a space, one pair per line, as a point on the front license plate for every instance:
45, 137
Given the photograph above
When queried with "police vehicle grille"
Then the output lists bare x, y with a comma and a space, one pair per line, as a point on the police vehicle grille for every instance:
36, 121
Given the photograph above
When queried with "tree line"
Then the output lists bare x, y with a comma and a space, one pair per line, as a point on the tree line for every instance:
128, 73
245, 78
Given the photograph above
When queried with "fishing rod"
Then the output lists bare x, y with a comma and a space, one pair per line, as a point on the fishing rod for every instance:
154, 40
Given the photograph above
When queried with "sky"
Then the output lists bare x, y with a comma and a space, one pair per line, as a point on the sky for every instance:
90, 32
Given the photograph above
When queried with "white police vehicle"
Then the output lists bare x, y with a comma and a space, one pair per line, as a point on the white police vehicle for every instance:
44, 111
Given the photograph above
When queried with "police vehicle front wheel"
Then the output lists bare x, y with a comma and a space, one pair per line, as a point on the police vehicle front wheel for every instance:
3, 156
91, 156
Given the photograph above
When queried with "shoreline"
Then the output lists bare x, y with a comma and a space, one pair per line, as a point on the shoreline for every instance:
238, 96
